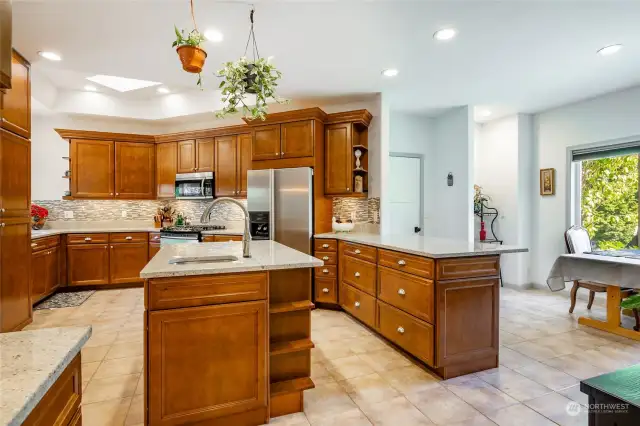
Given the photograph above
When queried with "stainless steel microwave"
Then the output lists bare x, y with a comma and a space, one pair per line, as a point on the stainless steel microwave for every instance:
194, 186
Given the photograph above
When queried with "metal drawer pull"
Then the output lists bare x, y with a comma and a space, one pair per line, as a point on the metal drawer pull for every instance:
34, 245
401, 291
88, 239
325, 257
357, 304
156, 238
325, 271
400, 330
325, 290
401, 262
325, 246
357, 251
357, 274
128, 237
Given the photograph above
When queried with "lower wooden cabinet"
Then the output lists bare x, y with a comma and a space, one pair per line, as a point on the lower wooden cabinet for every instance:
126, 260
359, 304
226, 372
411, 334
15, 273
88, 264
44, 273
326, 290
153, 249
221, 238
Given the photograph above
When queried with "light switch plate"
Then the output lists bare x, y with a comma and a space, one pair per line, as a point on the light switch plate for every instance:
124, 213
68, 214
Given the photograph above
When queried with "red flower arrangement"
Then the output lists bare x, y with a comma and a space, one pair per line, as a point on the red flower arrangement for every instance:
38, 216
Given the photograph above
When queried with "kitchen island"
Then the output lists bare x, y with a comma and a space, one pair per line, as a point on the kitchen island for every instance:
226, 342
436, 299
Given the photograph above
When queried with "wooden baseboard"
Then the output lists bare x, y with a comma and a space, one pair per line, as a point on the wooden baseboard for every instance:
287, 403
461, 369
102, 287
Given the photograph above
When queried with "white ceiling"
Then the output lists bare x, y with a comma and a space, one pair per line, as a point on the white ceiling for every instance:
509, 56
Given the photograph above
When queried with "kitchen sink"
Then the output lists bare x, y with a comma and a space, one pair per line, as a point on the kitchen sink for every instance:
202, 259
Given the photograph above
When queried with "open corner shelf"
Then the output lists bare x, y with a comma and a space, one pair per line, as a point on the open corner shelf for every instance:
360, 147
290, 346
290, 386
300, 305
360, 171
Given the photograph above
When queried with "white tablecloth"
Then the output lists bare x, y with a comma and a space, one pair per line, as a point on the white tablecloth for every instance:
618, 271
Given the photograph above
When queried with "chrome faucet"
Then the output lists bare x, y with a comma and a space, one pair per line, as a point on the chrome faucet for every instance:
246, 237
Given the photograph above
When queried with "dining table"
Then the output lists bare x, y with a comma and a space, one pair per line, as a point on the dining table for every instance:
616, 269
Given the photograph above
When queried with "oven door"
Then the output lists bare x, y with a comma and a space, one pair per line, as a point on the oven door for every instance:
194, 186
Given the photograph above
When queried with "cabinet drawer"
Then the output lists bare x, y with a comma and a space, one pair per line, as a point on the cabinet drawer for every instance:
129, 237
416, 265
370, 254
326, 290
468, 267
154, 237
407, 292
327, 271
359, 304
87, 238
329, 258
411, 334
359, 274
325, 245
168, 293
45, 243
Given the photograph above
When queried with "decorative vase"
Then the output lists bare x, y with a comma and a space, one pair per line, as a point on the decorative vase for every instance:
38, 222
358, 187
250, 79
192, 58
483, 232
358, 154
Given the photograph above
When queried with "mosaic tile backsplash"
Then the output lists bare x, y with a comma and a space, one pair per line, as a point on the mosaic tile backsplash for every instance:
87, 210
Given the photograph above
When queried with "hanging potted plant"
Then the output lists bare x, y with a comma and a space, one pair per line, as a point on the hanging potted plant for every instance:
257, 76
188, 47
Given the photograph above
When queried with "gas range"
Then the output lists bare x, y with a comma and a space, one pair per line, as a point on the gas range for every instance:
186, 233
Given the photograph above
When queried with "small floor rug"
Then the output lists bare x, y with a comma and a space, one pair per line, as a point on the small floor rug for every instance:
65, 300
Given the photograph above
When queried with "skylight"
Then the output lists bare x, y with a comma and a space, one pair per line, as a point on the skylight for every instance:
121, 84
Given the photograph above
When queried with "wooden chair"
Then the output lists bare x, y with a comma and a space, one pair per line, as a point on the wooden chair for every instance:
577, 240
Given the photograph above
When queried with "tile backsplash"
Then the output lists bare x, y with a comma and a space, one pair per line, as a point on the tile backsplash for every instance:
365, 209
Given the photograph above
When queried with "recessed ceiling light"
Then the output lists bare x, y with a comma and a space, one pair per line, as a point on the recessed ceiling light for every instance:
485, 113
445, 34
213, 35
609, 50
121, 84
50, 56
163, 90
391, 72
90, 88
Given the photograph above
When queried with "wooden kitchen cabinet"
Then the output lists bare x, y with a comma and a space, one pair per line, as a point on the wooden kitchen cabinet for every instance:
205, 155
266, 143
226, 374
126, 260
226, 166
16, 102
88, 264
15, 175
92, 168
134, 170
244, 143
153, 249
296, 139
44, 273
338, 159
15, 273
187, 156
166, 169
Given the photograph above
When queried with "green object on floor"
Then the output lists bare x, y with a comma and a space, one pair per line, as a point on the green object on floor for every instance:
631, 302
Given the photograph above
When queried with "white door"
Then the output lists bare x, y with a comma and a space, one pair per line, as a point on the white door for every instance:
405, 189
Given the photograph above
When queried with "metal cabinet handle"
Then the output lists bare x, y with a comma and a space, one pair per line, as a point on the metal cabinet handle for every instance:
325, 271
325, 290
156, 237
401, 292
111, 193
2, 210
105, 247
357, 304
117, 193
282, 153
34, 245
357, 274
128, 237
357, 251
401, 262
401, 330
348, 189
325, 257
87, 239
111, 246
2, 225
325, 246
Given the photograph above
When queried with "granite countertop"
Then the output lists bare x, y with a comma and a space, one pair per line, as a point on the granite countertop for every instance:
30, 363
265, 256
83, 230
425, 246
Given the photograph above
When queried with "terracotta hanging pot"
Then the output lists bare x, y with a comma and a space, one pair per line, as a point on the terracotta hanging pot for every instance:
192, 58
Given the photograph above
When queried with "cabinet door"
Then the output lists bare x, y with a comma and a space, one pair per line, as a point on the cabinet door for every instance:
126, 261
338, 171
92, 168
226, 164
244, 163
207, 362
53, 269
16, 105
187, 156
205, 151
15, 274
135, 165
153, 249
166, 169
266, 143
88, 264
15, 175
297, 139
39, 270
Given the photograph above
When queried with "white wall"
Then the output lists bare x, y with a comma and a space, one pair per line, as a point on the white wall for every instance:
449, 209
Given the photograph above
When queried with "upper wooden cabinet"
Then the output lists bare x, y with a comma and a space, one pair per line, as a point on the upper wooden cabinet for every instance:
195, 156
134, 170
337, 142
16, 103
187, 156
204, 155
244, 162
226, 166
92, 168
15, 175
166, 169
266, 143
287, 140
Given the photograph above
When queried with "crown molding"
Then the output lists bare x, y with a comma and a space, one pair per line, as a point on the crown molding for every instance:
359, 116
89, 134
314, 113
203, 134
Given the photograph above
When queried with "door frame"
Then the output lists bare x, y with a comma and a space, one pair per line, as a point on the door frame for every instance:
421, 158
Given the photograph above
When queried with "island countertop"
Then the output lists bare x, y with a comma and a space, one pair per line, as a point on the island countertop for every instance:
30, 363
425, 246
265, 256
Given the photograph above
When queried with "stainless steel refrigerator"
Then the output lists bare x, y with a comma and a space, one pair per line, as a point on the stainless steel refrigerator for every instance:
280, 204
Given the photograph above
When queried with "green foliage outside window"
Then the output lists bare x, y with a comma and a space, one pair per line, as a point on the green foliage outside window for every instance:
610, 201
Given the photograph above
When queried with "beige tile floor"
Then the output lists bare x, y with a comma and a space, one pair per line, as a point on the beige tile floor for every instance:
361, 380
